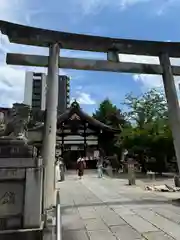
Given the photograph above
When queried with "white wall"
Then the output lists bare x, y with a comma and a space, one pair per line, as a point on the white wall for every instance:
75, 139
28, 88
43, 93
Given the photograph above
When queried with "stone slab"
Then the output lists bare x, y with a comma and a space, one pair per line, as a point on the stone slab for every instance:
75, 235
94, 206
87, 212
175, 217
157, 236
69, 211
95, 224
72, 222
123, 211
125, 232
139, 224
109, 216
167, 226
101, 235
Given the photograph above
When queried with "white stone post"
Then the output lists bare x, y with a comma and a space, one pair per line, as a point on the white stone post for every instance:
172, 101
49, 142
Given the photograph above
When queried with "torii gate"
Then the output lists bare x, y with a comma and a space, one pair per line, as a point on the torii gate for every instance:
55, 41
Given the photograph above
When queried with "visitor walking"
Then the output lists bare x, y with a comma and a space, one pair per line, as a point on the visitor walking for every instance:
81, 166
100, 167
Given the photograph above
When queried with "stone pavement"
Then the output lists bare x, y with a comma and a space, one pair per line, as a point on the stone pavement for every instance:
95, 209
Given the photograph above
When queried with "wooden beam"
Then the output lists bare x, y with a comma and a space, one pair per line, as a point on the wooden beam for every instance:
86, 64
42, 37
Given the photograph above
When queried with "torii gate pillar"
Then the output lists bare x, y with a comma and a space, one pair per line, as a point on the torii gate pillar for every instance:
172, 101
49, 143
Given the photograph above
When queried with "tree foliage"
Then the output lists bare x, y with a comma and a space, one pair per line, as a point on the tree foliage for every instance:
147, 108
145, 128
150, 134
109, 114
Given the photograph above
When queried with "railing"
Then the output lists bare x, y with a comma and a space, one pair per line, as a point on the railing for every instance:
58, 218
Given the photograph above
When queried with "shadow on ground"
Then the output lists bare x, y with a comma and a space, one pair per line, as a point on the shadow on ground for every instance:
134, 202
142, 176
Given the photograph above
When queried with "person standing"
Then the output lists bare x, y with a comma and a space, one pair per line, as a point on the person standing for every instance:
100, 168
62, 168
80, 167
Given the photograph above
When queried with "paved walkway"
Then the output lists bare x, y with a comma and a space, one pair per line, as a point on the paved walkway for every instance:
100, 209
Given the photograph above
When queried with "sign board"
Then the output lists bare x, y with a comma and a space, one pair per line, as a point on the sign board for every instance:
12, 173
11, 198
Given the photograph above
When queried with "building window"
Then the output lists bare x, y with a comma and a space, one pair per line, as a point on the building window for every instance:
37, 91
37, 83
37, 74
36, 103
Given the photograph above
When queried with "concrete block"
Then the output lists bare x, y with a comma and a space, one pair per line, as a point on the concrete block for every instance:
17, 162
33, 198
12, 173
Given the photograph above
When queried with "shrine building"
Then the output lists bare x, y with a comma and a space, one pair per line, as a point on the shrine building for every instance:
78, 134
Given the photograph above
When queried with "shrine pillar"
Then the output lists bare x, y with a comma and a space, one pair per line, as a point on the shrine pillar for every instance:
49, 143
172, 101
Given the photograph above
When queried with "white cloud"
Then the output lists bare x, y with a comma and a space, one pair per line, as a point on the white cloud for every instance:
138, 59
11, 79
83, 98
94, 6
4, 42
13, 10
166, 6
126, 3
148, 81
79, 88
11, 85
153, 81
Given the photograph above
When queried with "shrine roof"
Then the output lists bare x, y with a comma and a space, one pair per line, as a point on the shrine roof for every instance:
77, 113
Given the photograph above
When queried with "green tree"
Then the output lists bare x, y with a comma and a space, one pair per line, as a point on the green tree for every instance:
147, 108
150, 134
110, 115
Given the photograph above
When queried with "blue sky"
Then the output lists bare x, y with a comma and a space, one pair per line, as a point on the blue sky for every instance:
136, 19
